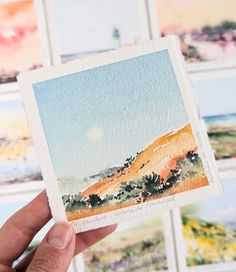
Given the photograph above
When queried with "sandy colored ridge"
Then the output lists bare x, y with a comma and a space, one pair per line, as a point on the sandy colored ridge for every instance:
159, 157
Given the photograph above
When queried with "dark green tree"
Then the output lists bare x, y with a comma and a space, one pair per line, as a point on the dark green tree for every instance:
193, 157
95, 200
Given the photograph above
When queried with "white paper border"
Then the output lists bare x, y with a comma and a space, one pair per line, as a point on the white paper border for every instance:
41, 20
154, 23
49, 9
169, 242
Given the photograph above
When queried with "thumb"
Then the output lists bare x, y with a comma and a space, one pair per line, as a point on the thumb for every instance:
55, 252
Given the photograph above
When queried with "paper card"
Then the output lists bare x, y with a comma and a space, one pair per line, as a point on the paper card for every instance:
19, 166
119, 135
19, 39
205, 233
217, 101
207, 38
138, 245
95, 26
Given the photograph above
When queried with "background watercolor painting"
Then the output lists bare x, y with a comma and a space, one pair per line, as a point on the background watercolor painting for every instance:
97, 26
222, 133
134, 246
209, 228
18, 163
205, 36
220, 114
19, 39
116, 139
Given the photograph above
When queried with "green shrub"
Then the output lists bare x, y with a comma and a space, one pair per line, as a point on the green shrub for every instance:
95, 200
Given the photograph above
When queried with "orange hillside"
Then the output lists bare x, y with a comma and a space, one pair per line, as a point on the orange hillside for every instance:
158, 157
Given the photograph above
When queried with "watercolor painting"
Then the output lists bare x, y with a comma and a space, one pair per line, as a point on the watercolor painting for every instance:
219, 113
209, 229
134, 246
98, 26
19, 39
114, 137
18, 162
204, 36
222, 133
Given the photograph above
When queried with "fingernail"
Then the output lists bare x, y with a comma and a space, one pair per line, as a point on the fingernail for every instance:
60, 235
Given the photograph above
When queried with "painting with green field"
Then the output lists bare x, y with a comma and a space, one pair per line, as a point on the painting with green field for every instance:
135, 246
209, 229
216, 96
222, 133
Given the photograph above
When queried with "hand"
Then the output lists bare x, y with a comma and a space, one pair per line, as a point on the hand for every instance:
55, 251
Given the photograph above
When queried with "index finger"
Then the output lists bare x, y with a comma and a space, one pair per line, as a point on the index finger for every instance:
22, 227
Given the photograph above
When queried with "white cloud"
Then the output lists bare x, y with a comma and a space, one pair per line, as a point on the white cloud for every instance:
95, 134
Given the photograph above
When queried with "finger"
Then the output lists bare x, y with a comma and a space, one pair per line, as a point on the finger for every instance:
83, 241
22, 227
55, 252
88, 238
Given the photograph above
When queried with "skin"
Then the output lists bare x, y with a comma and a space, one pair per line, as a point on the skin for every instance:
57, 248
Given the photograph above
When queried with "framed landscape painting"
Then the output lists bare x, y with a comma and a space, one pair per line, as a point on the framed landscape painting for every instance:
216, 93
140, 245
19, 168
19, 39
206, 233
207, 38
96, 26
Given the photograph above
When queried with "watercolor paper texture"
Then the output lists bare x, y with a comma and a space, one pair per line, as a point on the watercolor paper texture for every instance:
141, 245
208, 230
205, 36
217, 101
19, 39
18, 162
113, 142
87, 27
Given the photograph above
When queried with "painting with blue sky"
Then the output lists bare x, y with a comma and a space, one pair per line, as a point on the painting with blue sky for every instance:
114, 137
209, 228
96, 26
217, 101
18, 161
